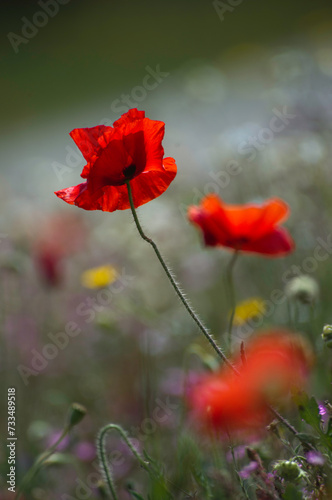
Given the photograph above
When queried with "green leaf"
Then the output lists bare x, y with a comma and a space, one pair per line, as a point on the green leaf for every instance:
329, 428
307, 438
309, 410
130, 489
136, 495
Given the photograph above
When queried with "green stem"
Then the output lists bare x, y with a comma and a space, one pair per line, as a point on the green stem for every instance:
229, 277
296, 315
102, 454
186, 304
290, 316
39, 463
312, 326
169, 275
236, 470
290, 427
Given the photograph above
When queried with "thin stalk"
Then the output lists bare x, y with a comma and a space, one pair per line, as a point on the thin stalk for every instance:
312, 326
236, 470
103, 459
296, 315
289, 311
39, 463
192, 313
230, 282
146, 374
169, 275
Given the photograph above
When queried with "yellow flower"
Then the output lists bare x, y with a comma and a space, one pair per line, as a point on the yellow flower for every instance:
248, 309
99, 277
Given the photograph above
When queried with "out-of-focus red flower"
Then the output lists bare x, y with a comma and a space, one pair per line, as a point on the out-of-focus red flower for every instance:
275, 362
49, 263
58, 237
249, 228
131, 150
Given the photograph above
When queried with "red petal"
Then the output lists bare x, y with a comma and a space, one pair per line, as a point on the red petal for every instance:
151, 184
211, 218
130, 116
145, 187
250, 228
255, 220
153, 136
278, 242
108, 169
71, 193
91, 140
137, 143
142, 140
132, 150
80, 196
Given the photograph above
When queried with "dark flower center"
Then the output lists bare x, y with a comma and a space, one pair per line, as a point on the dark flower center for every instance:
129, 172
243, 240
238, 242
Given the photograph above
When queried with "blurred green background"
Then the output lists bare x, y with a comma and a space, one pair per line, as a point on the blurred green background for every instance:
91, 51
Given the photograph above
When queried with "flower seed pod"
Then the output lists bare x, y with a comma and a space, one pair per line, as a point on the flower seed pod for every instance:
289, 470
327, 335
302, 288
76, 413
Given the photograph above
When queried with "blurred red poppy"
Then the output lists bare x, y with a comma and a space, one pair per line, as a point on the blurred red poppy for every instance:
57, 237
131, 150
50, 265
249, 228
276, 362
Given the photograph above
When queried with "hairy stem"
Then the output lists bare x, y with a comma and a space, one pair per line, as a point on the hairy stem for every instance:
169, 275
103, 459
192, 313
39, 463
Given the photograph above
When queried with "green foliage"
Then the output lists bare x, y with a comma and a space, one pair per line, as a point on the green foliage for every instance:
309, 411
134, 494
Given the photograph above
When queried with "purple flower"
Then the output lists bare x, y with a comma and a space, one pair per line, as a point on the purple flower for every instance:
324, 413
85, 451
52, 439
315, 458
239, 452
248, 469
322, 410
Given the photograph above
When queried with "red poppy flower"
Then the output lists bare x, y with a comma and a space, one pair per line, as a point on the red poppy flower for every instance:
276, 361
130, 150
58, 237
249, 228
222, 403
